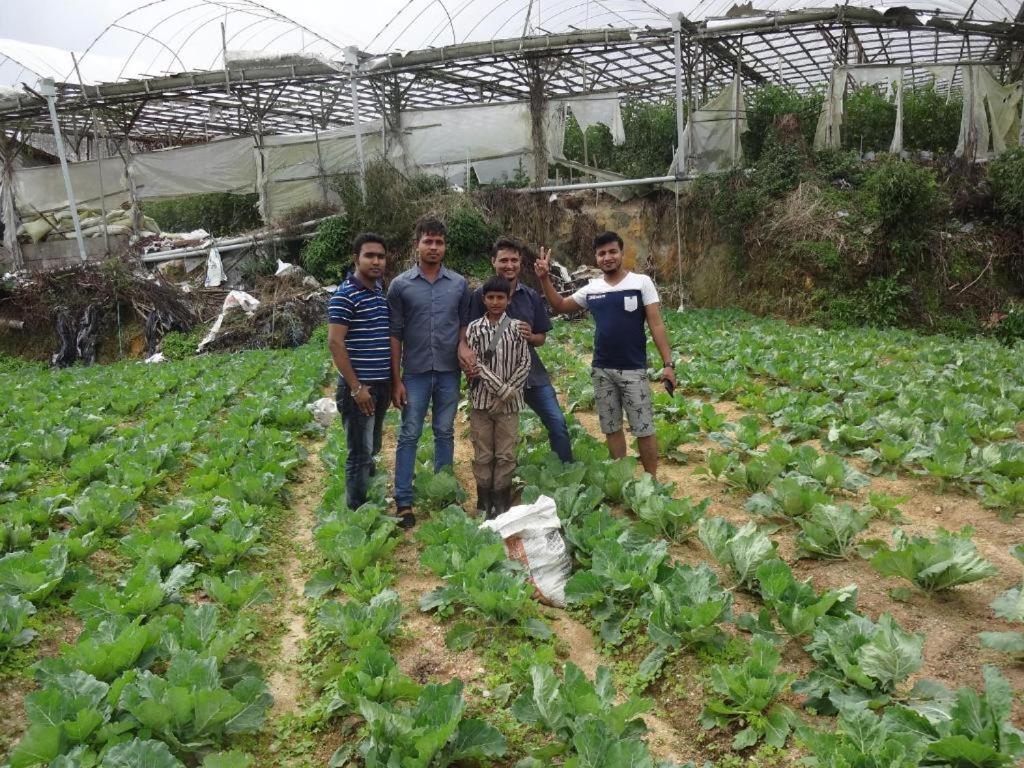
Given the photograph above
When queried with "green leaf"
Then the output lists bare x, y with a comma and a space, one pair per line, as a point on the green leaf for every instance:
476, 739
140, 753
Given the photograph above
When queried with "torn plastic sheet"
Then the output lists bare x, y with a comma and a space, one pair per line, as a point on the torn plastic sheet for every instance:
214, 270
711, 136
234, 300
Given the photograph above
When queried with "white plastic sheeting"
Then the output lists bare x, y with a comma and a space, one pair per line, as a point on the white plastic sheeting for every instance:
493, 138
291, 171
711, 138
220, 166
599, 108
294, 169
42, 188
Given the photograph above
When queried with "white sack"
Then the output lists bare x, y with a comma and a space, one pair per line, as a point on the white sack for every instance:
325, 411
532, 535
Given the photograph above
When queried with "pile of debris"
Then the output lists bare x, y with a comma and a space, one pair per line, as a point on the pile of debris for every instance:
80, 303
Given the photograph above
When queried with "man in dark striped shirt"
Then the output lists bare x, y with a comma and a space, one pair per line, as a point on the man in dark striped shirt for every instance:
359, 339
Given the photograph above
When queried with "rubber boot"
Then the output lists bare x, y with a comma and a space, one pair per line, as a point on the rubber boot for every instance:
502, 498
484, 501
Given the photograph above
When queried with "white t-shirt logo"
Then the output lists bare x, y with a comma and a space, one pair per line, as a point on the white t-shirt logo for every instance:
629, 303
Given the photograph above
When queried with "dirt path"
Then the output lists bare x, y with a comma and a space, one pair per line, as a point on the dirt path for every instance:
285, 680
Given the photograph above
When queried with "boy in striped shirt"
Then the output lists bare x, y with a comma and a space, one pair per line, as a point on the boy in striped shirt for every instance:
359, 340
496, 397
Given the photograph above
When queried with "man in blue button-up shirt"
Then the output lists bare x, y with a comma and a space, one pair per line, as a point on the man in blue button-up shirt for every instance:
429, 311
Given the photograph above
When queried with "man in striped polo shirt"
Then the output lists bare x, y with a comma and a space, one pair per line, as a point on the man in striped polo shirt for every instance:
359, 339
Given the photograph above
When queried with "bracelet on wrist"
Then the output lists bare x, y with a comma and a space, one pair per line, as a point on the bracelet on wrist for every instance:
357, 390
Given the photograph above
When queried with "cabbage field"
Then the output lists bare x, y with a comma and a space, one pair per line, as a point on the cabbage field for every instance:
830, 568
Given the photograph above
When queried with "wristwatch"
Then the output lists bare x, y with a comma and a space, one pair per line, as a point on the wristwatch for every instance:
357, 391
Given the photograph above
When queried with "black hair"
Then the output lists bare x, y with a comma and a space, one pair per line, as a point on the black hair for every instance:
367, 237
496, 284
605, 238
506, 243
429, 224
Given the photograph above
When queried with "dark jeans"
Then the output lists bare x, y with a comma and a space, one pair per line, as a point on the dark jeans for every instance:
364, 435
543, 401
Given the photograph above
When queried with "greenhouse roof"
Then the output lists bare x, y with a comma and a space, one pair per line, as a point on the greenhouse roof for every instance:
199, 69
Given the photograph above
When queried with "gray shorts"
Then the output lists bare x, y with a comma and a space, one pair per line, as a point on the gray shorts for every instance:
616, 391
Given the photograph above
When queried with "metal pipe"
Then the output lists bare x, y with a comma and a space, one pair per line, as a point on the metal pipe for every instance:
49, 92
231, 244
677, 35
352, 59
606, 184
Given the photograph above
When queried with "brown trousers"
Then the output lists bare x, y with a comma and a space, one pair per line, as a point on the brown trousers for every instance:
494, 437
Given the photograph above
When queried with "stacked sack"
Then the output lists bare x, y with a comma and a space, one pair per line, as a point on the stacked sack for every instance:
61, 226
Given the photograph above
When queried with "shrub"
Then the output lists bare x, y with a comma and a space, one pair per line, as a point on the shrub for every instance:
219, 213
869, 121
470, 237
1006, 175
780, 167
766, 104
178, 346
328, 254
1011, 329
930, 120
905, 197
839, 164
880, 303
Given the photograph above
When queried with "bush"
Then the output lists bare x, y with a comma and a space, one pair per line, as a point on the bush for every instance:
179, 346
766, 104
470, 237
328, 254
930, 121
905, 197
869, 121
1006, 175
780, 168
839, 165
1011, 329
880, 303
219, 213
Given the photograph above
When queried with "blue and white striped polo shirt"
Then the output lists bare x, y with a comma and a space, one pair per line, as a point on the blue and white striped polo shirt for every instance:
366, 314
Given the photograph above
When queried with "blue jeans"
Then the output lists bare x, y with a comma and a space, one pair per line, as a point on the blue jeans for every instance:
363, 435
543, 401
440, 391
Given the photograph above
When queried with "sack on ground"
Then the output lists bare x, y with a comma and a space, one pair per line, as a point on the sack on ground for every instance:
533, 535
325, 411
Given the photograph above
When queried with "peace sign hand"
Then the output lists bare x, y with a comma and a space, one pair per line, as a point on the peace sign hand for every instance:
542, 265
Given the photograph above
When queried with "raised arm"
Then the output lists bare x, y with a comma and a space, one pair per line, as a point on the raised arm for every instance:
559, 304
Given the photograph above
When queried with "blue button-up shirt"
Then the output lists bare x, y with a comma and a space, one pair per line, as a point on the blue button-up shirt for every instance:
526, 305
426, 317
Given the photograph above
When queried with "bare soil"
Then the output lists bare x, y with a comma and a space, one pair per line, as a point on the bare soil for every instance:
948, 621
285, 682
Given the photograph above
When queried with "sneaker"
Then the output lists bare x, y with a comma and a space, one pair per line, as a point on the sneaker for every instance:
406, 519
